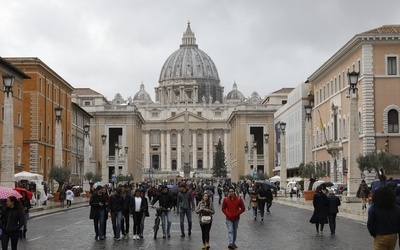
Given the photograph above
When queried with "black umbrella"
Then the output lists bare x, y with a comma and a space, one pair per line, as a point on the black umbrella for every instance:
209, 187
174, 189
267, 184
327, 184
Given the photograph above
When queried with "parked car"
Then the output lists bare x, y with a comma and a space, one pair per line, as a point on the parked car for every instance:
336, 187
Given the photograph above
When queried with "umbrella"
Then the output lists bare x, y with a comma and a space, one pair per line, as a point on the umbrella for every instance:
29, 194
174, 189
98, 184
275, 178
211, 187
327, 184
6, 192
169, 186
267, 184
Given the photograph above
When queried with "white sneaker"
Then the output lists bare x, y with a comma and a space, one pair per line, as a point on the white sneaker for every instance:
134, 237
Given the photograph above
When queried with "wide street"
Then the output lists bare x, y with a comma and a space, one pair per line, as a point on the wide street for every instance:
285, 228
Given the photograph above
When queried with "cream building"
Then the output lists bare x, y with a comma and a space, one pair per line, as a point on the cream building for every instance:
342, 131
155, 131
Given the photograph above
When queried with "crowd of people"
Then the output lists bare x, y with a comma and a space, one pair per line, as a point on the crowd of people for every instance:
124, 202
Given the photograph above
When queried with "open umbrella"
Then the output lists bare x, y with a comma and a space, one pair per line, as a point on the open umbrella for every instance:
29, 194
266, 184
174, 190
6, 192
275, 178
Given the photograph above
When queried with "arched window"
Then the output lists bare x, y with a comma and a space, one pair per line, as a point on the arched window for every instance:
393, 121
199, 138
173, 139
173, 165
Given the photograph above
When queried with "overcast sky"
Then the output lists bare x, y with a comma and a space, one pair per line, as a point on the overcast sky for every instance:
112, 46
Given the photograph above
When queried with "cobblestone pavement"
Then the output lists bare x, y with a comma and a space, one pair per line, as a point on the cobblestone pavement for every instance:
287, 227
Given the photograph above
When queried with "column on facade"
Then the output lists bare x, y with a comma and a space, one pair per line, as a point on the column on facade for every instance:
170, 97
226, 142
205, 150
181, 94
147, 149
211, 150
168, 150
179, 149
195, 95
194, 148
162, 158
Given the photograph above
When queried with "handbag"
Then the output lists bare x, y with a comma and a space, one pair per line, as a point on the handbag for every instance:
205, 219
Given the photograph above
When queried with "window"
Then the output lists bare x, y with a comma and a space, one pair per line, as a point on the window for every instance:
217, 114
199, 113
155, 138
154, 114
19, 119
391, 65
393, 121
173, 114
173, 139
199, 138
86, 103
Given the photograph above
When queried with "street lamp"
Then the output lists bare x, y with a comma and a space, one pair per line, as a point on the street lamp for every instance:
308, 109
266, 161
103, 139
104, 167
58, 137
283, 173
353, 173
125, 170
7, 167
116, 171
266, 138
86, 163
255, 164
246, 148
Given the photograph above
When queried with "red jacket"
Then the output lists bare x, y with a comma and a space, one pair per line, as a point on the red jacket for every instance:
233, 208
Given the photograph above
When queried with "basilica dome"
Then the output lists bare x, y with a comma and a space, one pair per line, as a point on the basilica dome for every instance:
188, 67
235, 94
142, 96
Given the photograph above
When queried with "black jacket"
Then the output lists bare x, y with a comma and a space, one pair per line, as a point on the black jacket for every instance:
12, 220
143, 205
126, 201
165, 200
333, 203
115, 204
95, 206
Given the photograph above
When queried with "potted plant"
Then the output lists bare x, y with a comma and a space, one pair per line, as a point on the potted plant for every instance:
61, 175
308, 172
92, 178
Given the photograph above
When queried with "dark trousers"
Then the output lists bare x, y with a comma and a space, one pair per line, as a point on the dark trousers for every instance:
332, 222
261, 207
137, 221
205, 232
5, 238
125, 223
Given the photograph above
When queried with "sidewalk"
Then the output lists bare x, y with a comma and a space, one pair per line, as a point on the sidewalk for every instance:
54, 207
346, 210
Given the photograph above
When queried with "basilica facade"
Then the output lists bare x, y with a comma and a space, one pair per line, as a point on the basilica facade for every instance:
183, 125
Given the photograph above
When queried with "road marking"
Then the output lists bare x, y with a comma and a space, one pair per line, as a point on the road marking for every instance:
57, 230
79, 222
36, 238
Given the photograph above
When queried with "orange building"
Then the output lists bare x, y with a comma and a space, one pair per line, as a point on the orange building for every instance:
42, 93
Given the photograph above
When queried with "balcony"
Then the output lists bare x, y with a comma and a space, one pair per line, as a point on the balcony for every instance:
333, 147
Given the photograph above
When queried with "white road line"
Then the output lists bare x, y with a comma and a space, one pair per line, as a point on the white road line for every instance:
36, 238
79, 222
57, 230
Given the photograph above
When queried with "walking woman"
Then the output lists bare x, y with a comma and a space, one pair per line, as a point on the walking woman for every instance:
362, 193
205, 208
12, 220
137, 208
26, 205
320, 215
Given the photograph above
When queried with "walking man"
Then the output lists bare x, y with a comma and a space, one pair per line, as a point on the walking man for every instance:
270, 197
97, 212
126, 200
185, 206
232, 207
166, 202
115, 211
333, 204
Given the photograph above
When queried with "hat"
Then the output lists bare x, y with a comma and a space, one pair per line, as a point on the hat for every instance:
98, 187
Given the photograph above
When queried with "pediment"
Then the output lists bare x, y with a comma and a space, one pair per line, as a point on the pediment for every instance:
180, 118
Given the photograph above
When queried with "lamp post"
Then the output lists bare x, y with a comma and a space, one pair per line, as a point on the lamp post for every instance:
86, 168
307, 135
246, 160
125, 170
58, 138
266, 139
7, 155
255, 157
283, 173
353, 173
104, 167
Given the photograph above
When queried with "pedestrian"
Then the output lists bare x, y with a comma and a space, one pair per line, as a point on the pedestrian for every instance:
105, 190
137, 207
362, 193
384, 219
97, 212
69, 196
320, 215
145, 212
262, 199
61, 196
166, 202
114, 209
232, 207
205, 210
220, 192
185, 205
333, 210
126, 200
253, 203
270, 198
12, 220
26, 205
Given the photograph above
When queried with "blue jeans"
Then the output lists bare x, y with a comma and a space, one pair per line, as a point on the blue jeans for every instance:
99, 230
116, 223
255, 211
166, 222
232, 230
182, 212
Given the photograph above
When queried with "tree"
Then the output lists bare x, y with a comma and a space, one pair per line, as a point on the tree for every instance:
381, 162
93, 178
60, 174
219, 168
311, 172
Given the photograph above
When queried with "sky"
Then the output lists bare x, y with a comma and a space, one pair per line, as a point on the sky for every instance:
112, 46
